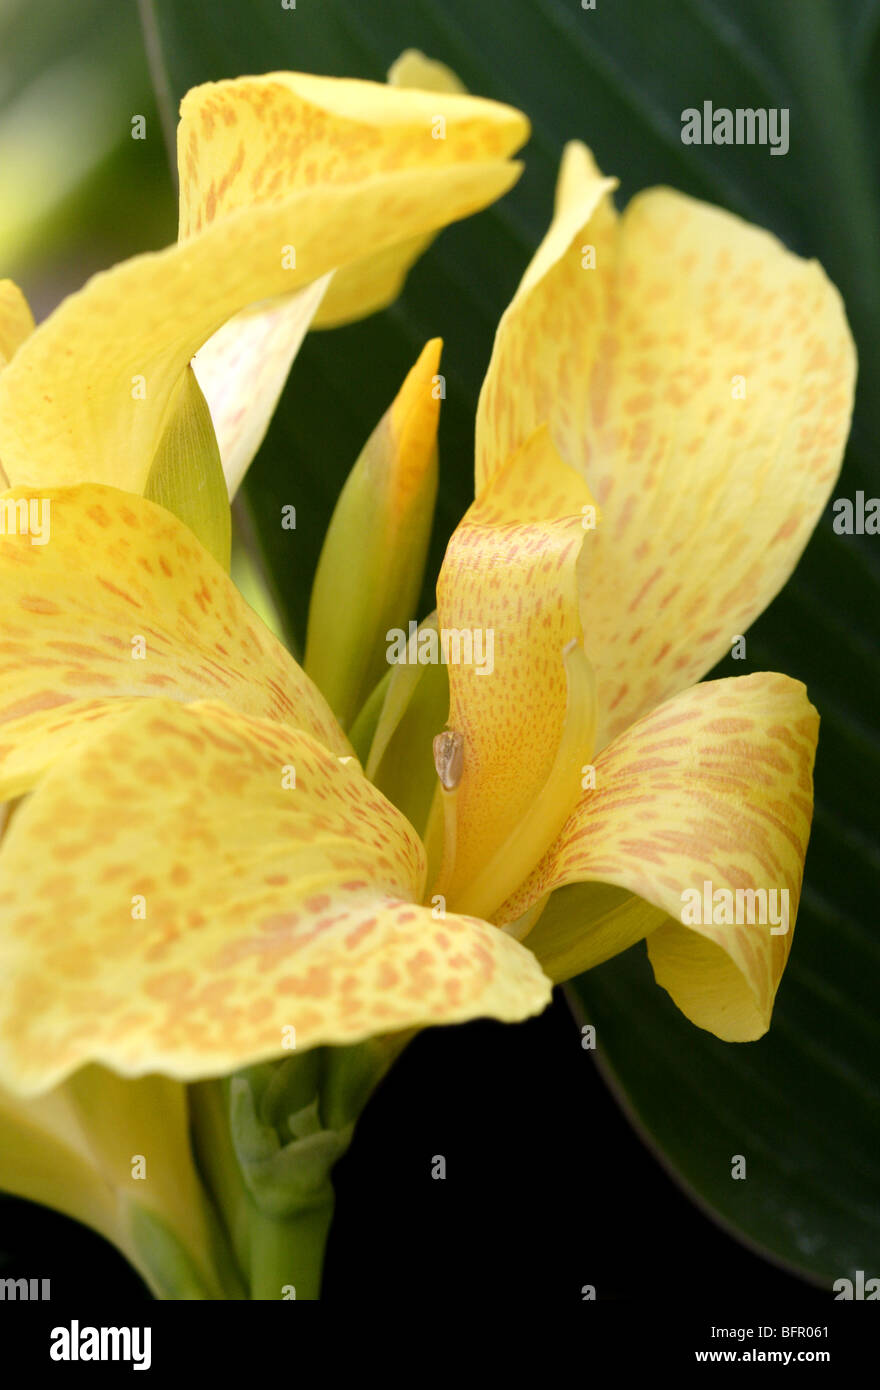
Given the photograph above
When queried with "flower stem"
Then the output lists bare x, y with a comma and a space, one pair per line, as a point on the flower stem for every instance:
287, 1255
266, 1140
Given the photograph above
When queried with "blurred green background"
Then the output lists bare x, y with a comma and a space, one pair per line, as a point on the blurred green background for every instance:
76, 193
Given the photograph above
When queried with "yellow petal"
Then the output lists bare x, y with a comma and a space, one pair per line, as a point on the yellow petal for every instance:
256, 140
443, 125
334, 131
242, 369
547, 339
200, 902
713, 787
381, 276
16, 321
284, 179
373, 558
700, 377
123, 602
507, 600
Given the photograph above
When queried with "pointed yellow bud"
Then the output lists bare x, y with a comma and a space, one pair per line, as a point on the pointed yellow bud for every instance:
186, 476
371, 566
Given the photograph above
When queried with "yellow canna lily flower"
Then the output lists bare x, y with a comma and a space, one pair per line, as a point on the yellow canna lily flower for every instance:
302, 199
223, 871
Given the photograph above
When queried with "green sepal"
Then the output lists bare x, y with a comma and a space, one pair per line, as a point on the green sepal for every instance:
186, 476
267, 1139
286, 1164
169, 1267
584, 924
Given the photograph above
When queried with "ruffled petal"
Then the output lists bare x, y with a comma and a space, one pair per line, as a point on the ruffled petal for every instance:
220, 889
123, 602
714, 787
700, 377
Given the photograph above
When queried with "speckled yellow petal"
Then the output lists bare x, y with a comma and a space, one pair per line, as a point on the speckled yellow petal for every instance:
547, 339
700, 377
266, 138
507, 600
378, 279
122, 602
257, 140
284, 178
714, 787
16, 320
219, 889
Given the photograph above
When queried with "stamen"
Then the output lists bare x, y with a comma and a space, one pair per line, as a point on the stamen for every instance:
512, 863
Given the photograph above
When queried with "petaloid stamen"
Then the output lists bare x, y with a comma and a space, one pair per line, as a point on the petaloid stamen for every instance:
529, 841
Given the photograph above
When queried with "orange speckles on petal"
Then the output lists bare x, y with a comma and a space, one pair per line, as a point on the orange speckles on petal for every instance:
32, 704
511, 571
319, 902
263, 909
38, 603
118, 592
138, 626
707, 498
723, 805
